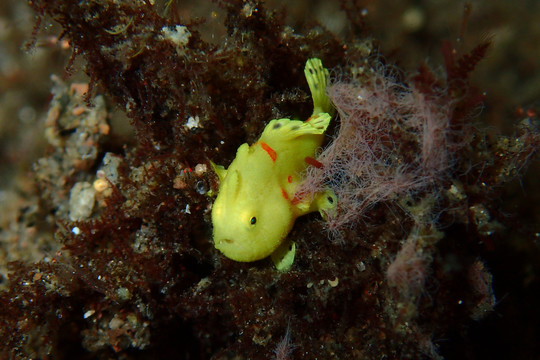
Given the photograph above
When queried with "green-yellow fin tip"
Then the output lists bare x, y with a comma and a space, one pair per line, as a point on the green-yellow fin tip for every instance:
219, 170
317, 79
283, 256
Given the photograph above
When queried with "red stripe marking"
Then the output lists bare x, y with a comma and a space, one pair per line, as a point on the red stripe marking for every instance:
284, 194
271, 152
312, 161
298, 197
289, 179
311, 117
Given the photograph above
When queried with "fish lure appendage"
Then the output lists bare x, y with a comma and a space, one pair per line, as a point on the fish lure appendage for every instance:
256, 206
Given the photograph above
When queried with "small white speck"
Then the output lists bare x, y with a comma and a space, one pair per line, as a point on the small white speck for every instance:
200, 169
88, 314
178, 35
193, 122
334, 282
123, 293
186, 210
76, 230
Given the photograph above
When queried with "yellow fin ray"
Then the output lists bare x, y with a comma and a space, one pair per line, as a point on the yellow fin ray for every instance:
317, 79
287, 129
220, 170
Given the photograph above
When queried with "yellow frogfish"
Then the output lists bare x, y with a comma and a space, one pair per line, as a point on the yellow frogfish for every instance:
256, 205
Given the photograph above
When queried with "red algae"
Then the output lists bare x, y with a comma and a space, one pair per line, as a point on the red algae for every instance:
393, 140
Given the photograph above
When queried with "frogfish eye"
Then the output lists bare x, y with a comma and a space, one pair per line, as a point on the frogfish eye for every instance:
253, 220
